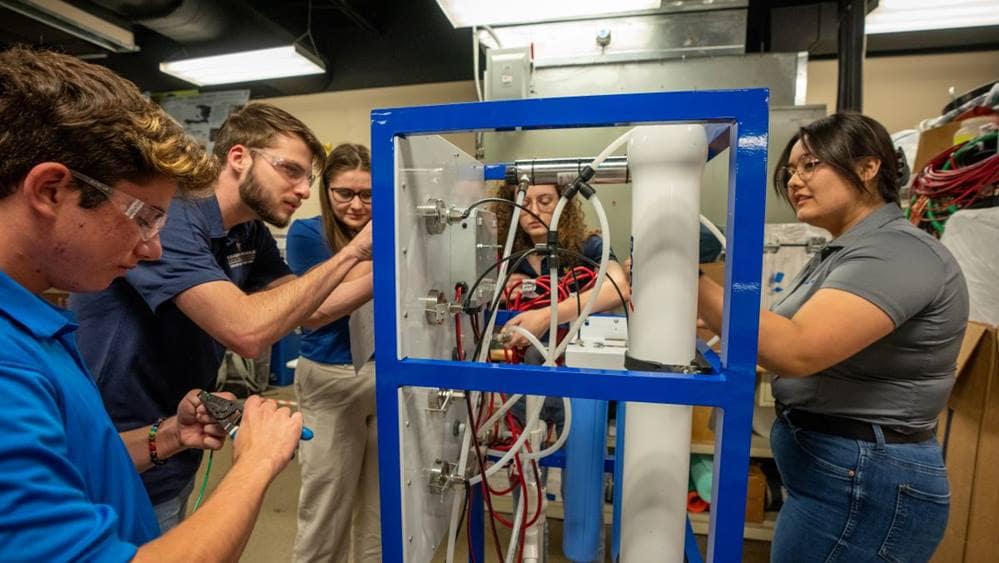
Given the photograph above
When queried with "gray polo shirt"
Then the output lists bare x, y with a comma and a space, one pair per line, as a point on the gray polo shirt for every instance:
903, 380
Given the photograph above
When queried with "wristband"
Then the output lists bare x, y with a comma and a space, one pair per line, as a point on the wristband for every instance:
152, 442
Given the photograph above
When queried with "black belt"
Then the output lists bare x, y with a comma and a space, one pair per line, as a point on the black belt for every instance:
848, 427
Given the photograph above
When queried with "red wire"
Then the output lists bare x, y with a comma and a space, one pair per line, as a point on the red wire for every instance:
457, 325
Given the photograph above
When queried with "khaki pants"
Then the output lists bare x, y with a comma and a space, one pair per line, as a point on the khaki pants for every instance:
338, 513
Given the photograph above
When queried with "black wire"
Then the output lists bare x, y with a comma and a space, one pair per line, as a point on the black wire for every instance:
464, 507
575, 284
468, 210
471, 292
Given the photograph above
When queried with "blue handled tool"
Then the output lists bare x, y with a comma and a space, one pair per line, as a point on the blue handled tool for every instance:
229, 413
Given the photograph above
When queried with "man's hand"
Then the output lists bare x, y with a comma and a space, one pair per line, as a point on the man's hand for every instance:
536, 322
267, 435
360, 245
196, 428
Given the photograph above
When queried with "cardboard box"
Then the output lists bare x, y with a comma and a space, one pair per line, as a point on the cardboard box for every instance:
933, 142
969, 432
700, 426
756, 492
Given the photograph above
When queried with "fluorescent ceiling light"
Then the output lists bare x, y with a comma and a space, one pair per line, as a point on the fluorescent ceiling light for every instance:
246, 66
466, 13
76, 22
897, 16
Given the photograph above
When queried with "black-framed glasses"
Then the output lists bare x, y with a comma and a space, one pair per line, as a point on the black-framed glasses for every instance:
804, 169
346, 195
289, 169
149, 218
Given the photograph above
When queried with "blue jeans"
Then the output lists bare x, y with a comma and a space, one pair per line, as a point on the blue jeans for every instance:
171, 512
850, 500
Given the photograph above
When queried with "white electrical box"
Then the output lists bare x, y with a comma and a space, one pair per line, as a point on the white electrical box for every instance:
508, 73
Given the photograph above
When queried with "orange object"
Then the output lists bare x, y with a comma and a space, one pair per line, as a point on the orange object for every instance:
695, 503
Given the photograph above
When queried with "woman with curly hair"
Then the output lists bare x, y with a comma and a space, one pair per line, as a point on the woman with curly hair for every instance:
574, 237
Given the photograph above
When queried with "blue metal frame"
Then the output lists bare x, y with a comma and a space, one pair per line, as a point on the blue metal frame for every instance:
731, 388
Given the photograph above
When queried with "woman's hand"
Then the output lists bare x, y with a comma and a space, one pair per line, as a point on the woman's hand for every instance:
537, 322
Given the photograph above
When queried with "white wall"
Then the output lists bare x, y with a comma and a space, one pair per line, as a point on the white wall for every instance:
902, 91
338, 117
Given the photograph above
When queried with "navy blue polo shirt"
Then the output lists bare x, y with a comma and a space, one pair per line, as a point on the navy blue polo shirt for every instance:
144, 352
68, 489
307, 247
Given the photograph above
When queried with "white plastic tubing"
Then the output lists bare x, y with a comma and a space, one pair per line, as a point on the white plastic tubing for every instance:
556, 351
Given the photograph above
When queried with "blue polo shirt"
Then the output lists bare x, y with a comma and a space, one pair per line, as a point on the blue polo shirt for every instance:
143, 351
68, 489
307, 247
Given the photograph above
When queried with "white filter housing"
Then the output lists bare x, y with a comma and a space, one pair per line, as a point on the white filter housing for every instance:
666, 164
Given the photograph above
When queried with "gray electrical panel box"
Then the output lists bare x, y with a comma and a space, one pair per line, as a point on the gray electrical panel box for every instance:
508, 73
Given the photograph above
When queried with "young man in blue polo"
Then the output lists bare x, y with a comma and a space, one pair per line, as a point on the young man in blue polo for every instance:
87, 169
220, 283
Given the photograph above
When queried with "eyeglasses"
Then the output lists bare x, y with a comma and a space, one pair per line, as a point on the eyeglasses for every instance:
149, 218
804, 169
291, 170
346, 195
546, 202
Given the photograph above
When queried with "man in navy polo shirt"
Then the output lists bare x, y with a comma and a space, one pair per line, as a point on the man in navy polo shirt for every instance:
87, 166
221, 283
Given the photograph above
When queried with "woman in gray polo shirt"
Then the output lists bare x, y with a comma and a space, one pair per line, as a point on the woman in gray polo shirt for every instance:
864, 344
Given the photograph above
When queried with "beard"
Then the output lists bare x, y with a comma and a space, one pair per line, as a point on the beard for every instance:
255, 197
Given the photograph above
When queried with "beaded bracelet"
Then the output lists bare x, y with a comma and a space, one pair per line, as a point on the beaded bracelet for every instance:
152, 442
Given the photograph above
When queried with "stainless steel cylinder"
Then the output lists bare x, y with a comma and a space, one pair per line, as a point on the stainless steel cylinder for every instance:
614, 170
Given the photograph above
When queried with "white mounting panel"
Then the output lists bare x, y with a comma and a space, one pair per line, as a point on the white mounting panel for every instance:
429, 167
427, 436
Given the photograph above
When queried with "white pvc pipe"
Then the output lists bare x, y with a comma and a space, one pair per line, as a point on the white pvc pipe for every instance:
518, 520
666, 164
475, 62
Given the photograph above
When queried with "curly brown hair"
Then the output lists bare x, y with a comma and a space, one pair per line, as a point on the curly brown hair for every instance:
572, 230
57, 108
343, 158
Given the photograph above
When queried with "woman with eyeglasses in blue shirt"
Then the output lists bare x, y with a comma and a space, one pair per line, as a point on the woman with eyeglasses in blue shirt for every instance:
338, 514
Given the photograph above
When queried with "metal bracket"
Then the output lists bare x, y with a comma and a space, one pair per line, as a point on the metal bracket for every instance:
440, 400
437, 215
434, 213
443, 477
435, 307
814, 244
